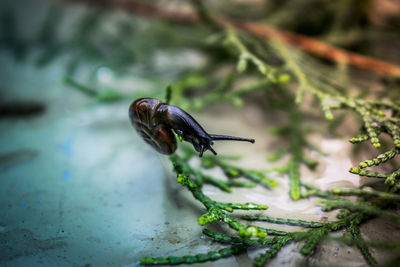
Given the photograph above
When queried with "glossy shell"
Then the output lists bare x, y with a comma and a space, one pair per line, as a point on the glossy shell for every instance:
147, 117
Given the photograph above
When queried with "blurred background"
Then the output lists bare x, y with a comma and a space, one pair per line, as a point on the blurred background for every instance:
78, 186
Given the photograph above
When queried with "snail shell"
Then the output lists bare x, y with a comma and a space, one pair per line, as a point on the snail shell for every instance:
146, 117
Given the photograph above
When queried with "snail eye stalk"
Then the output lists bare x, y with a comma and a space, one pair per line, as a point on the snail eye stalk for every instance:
218, 137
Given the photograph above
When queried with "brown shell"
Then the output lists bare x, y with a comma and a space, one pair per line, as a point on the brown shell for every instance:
148, 123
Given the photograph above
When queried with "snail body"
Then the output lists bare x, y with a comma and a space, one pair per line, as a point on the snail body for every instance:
156, 121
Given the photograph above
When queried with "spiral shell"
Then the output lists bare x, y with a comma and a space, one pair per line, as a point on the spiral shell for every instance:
147, 116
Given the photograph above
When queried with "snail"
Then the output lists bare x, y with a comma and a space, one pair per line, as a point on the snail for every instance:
155, 121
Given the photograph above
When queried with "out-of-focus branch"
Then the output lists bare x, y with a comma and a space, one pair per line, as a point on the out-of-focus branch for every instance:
320, 49
262, 31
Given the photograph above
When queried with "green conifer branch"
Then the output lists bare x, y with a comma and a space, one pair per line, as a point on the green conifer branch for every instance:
109, 95
216, 209
247, 206
369, 111
294, 179
189, 259
360, 243
365, 207
221, 237
232, 39
278, 243
309, 224
237, 240
297, 145
232, 171
393, 180
368, 173
343, 213
360, 192
361, 137
382, 158
202, 178
313, 240
279, 153
215, 212
315, 191
371, 130
394, 131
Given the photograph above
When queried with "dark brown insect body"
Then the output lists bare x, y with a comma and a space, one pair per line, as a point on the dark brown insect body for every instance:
155, 121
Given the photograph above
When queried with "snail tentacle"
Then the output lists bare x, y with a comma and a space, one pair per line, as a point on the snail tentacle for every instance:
218, 137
